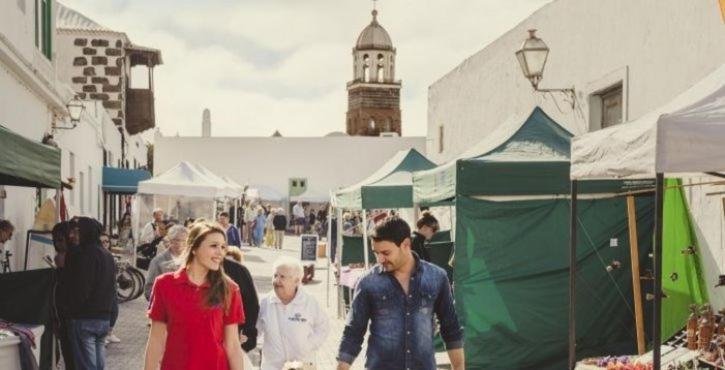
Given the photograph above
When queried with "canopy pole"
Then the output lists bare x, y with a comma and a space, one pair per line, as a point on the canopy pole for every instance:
328, 249
365, 236
339, 253
636, 284
572, 276
656, 315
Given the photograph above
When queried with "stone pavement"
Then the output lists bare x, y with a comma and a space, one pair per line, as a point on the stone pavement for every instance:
133, 330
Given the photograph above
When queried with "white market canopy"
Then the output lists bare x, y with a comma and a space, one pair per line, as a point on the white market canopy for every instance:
184, 179
264, 193
686, 135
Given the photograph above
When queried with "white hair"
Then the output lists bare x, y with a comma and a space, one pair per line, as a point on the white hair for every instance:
175, 231
290, 264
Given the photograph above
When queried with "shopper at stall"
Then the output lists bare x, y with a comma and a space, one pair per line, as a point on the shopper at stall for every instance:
399, 297
293, 324
298, 218
239, 273
90, 275
280, 226
61, 245
169, 260
199, 308
231, 230
150, 231
427, 226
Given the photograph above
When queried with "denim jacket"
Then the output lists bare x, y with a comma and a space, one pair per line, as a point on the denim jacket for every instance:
402, 327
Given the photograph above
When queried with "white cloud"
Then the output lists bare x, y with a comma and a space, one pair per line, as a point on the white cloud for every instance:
283, 64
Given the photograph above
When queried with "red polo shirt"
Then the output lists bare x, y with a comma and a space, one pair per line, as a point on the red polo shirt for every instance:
195, 333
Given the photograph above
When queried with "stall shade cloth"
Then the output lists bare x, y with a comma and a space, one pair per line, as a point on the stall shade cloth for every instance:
27, 163
184, 179
685, 135
511, 280
122, 180
389, 187
525, 155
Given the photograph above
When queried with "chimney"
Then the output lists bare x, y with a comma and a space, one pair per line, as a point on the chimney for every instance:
206, 123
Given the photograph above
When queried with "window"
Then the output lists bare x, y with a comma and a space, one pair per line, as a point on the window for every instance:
440, 138
612, 107
43, 24
381, 73
81, 188
366, 73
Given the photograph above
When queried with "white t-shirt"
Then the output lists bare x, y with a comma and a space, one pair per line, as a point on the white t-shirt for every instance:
292, 332
298, 211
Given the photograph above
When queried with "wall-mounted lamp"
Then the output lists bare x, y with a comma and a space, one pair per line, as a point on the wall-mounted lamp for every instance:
75, 109
532, 58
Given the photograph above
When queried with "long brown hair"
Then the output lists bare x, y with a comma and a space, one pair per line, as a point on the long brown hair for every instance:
218, 291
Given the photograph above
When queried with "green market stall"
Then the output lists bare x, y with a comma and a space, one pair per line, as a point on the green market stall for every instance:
511, 194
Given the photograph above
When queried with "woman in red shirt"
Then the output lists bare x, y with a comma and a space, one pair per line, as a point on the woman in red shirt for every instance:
196, 310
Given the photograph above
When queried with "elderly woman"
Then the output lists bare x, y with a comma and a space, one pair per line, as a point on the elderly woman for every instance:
170, 259
293, 324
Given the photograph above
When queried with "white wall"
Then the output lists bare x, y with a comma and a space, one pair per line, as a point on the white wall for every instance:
327, 162
658, 47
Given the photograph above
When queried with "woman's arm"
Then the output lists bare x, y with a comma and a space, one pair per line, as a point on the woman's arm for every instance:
232, 347
155, 345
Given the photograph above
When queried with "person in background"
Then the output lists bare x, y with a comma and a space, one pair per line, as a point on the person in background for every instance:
61, 245
150, 231
233, 236
280, 226
111, 338
311, 220
89, 277
397, 299
239, 273
293, 324
298, 218
196, 310
259, 223
249, 215
427, 226
168, 260
125, 233
188, 222
6, 231
269, 228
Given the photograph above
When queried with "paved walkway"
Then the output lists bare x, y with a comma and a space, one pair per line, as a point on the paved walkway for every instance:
133, 330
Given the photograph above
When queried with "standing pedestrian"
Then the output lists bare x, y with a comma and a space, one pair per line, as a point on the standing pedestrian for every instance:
89, 278
298, 217
250, 214
399, 297
427, 226
150, 231
239, 273
280, 226
195, 311
259, 223
61, 245
311, 220
169, 259
293, 324
231, 230
111, 337
269, 228
125, 233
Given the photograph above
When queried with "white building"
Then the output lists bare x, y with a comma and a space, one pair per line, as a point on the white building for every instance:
623, 58
272, 163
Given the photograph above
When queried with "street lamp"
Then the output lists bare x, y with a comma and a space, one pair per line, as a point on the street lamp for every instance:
532, 59
75, 109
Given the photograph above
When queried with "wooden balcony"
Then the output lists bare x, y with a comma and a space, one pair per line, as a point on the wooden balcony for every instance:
140, 115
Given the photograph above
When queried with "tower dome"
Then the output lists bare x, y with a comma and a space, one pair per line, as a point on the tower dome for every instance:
374, 36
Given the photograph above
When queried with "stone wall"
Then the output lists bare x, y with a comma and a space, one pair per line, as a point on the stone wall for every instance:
96, 69
380, 104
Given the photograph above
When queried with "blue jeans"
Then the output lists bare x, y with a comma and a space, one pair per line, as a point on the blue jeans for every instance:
87, 337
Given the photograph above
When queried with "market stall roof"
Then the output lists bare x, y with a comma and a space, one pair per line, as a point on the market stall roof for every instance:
123, 180
264, 193
27, 163
311, 196
229, 190
389, 187
686, 135
184, 179
523, 156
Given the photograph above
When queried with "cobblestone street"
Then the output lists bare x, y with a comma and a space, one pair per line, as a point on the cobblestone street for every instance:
132, 326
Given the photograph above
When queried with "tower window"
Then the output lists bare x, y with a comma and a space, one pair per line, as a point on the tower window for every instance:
366, 73
372, 124
381, 73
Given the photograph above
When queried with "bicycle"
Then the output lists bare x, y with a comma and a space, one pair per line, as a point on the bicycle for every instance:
129, 280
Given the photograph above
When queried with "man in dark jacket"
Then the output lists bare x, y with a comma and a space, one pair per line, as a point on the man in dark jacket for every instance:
280, 225
250, 302
89, 287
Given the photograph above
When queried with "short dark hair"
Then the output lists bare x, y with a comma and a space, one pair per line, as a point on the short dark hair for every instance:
6, 225
61, 230
224, 214
391, 229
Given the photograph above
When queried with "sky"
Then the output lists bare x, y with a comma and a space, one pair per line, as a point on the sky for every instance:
266, 65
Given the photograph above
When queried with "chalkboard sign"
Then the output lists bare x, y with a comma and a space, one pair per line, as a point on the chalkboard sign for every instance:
309, 247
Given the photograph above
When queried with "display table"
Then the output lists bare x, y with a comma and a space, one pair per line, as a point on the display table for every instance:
10, 348
670, 356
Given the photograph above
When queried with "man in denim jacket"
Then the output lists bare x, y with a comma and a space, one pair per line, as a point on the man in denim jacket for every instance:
399, 297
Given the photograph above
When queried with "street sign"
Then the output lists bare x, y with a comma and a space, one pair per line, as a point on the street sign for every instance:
308, 248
